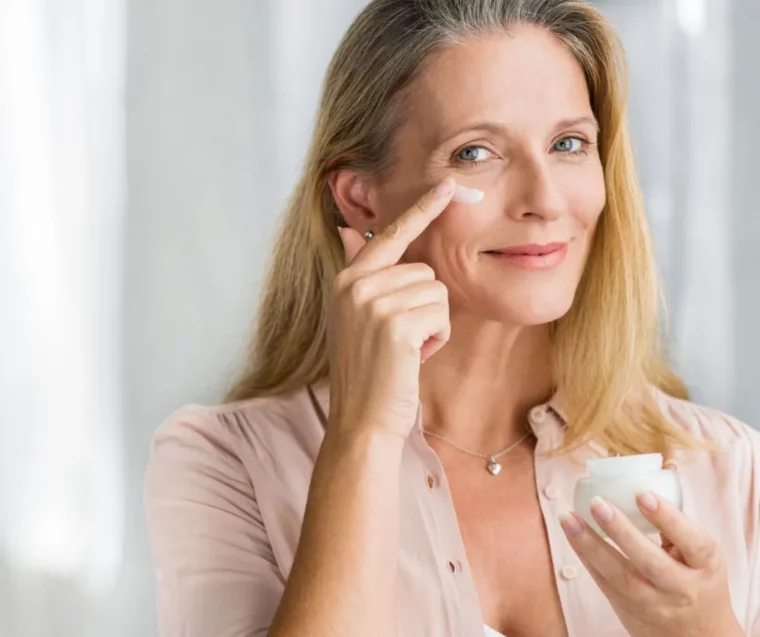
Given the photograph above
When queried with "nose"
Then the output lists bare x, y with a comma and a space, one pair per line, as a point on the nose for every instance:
535, 192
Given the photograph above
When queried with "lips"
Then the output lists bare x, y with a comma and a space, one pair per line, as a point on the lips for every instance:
531, 257
533, 250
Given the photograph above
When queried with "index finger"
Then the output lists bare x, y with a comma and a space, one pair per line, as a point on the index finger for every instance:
698, 549
389, 246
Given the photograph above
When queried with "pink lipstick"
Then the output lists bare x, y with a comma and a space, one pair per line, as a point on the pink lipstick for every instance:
532, 256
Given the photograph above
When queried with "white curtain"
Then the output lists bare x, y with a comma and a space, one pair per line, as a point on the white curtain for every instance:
61, 206
681, 113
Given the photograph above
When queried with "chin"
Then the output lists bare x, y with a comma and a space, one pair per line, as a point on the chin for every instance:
538, 316
529, 310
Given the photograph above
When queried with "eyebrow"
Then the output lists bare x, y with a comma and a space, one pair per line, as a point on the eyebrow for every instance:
493, 127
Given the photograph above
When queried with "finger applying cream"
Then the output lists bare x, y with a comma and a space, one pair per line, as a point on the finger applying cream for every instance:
462, 194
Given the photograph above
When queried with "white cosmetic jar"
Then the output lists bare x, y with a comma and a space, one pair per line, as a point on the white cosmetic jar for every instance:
618, 480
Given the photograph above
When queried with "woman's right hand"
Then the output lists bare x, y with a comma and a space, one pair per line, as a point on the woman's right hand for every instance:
386, 319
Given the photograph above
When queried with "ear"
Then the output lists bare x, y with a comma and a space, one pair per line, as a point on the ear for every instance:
352, 193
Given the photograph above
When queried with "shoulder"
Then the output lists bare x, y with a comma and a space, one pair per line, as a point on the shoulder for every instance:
706, 424
731, 463
252, 420
237, 438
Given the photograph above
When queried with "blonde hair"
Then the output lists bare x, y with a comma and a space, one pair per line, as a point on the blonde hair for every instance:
607, 348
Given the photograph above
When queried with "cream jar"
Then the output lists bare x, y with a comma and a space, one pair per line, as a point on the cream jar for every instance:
618, 480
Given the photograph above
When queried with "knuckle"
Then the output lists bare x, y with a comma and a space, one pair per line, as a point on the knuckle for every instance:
629, 580
422, 205
641, 594
395, 328
686, 598
656, 570
424, 271
392, 230
379, 308
359, 292
442, 290
710, 555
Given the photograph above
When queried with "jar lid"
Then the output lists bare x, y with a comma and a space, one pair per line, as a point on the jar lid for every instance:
624, 464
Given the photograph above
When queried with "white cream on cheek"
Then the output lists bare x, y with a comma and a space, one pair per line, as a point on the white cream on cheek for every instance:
465, 195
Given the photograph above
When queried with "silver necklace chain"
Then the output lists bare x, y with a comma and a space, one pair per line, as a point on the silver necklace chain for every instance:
493, 466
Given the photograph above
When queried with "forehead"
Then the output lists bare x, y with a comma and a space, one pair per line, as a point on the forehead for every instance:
524, 79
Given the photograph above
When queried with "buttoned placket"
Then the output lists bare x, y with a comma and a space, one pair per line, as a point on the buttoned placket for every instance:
554, 500
555, 482
457, 578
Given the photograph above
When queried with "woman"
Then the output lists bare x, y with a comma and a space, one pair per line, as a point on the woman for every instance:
475, 155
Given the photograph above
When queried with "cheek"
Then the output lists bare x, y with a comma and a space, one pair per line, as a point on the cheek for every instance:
451, 240
587, 197
460, 222
587, 208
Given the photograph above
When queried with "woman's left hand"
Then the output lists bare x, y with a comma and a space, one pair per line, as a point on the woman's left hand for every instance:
679, 589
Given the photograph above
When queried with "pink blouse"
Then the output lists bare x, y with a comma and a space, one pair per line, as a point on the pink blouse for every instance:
226, 490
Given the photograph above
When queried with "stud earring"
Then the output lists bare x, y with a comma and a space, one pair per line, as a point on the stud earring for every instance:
368, 235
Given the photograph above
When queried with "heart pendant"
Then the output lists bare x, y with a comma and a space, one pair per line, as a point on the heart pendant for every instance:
493, 467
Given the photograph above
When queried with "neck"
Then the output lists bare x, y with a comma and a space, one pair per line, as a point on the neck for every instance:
478, 389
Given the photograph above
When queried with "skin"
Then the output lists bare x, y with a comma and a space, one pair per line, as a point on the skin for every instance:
424, 290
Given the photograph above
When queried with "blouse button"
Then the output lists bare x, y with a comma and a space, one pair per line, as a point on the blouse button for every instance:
569, 572
454, 566
551, 492
537, 415
430, 481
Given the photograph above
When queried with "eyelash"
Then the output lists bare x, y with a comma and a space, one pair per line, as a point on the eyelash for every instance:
582, 151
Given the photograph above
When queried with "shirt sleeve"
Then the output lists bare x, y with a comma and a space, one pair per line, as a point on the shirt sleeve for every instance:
216, 575
752, 527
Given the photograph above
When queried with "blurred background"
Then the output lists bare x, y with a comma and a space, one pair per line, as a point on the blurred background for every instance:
146, 150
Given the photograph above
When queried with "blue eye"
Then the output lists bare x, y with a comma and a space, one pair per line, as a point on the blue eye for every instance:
571, 145
473, 154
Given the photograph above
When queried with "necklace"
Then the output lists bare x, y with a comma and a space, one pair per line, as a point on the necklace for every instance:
493, 466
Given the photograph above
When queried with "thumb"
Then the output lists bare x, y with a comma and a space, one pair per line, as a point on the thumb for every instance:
352, 242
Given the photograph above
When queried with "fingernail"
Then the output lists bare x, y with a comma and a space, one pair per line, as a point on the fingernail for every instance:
445, 188
647, 501
602, 511
462, 194
571, 524
670, 465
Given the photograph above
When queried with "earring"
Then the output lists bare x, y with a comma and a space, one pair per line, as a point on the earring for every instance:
368, 235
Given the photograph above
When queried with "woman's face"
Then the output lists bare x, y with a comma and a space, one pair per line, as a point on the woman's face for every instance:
509, 115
